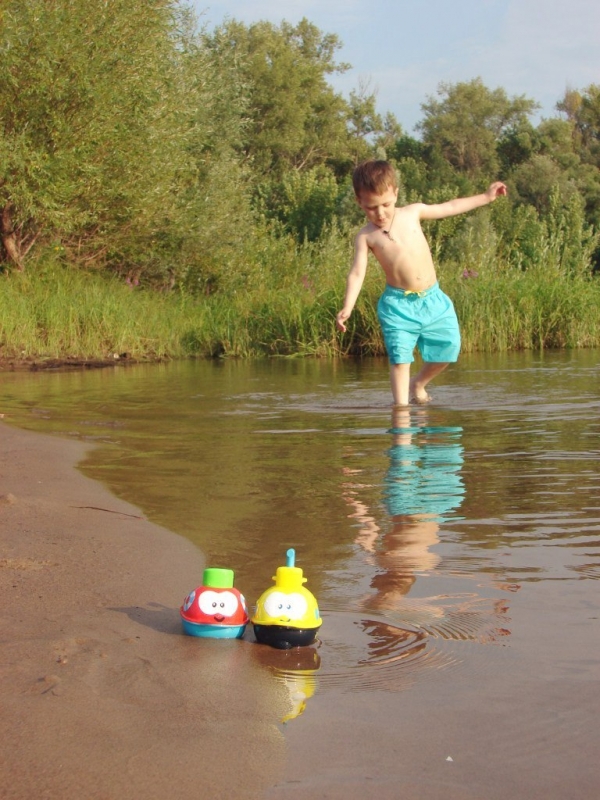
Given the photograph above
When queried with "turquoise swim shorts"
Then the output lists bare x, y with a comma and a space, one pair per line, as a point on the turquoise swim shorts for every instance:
426, 320
425, 480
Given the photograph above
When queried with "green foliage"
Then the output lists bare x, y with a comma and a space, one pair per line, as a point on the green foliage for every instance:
370, 132
468, 121
294, 118
569, 242
91, 126
112, 140
440, 233
534, 179
515, 146
57, 312
585, 113
309, 201
286, 303
215, 167
517, 310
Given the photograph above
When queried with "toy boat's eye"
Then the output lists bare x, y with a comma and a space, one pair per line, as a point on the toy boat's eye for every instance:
228, 603
225, 603
207, 602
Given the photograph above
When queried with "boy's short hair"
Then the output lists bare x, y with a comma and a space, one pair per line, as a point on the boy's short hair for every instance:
374, 176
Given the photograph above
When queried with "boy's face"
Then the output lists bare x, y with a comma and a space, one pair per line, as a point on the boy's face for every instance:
379, 208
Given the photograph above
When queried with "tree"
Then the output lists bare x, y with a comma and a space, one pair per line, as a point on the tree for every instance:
94, 128
555, 155
295, 120
309, 202
583, 111
466, 124
535, 179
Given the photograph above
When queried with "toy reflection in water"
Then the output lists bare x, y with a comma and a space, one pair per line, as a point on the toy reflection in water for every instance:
296, 669
422, 487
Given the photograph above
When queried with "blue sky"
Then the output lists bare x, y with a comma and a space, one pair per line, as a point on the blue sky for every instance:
404, 49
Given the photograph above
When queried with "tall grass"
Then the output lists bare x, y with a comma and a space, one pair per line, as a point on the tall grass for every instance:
279, 298
62, 313
524, 311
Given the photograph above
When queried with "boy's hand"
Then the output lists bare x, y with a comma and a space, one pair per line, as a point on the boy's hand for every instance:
340, 319
496, 189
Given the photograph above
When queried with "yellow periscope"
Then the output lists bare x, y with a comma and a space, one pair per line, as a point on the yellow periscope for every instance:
287, 614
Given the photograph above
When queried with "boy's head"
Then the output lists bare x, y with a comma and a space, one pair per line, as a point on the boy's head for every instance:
376, 191
373, 177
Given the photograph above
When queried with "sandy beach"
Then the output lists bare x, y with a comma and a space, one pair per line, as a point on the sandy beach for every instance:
102, 696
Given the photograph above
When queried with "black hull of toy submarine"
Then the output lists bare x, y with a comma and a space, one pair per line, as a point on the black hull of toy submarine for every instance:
284, 638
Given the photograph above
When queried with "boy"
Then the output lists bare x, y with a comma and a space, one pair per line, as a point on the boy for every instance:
413, 310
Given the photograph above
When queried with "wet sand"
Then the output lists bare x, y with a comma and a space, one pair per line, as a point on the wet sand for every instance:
101, 694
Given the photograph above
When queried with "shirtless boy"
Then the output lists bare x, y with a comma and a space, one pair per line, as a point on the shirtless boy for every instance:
413, 310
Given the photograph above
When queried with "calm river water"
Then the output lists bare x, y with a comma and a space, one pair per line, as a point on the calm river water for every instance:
454, 550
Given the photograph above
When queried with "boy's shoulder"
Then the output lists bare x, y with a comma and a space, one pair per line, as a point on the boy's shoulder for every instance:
366, 229
411, 208
366, 233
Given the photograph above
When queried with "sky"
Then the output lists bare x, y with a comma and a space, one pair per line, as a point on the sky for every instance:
404, 49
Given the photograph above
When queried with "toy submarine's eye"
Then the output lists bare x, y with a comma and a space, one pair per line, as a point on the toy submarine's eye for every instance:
292, 605
297, 606
274, 603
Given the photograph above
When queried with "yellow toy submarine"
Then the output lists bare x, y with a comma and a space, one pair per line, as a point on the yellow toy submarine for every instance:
287, 614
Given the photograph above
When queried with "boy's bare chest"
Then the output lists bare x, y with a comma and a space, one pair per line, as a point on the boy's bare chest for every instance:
403, 239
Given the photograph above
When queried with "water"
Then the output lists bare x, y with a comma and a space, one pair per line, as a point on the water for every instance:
453, 548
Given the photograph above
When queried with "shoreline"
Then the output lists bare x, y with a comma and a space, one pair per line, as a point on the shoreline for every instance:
48, 364
102, 695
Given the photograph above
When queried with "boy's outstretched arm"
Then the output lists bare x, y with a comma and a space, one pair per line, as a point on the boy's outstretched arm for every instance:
461, 205
355, 280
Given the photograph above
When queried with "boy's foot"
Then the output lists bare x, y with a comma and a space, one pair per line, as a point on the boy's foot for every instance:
418, 396
421, 399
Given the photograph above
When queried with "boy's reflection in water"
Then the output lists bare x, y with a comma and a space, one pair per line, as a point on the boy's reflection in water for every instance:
422, 485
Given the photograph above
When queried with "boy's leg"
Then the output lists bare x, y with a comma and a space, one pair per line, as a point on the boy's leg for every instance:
439, 342
428, 372
400, 382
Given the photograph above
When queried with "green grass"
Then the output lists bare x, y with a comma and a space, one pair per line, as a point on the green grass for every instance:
285, 305
526, 311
